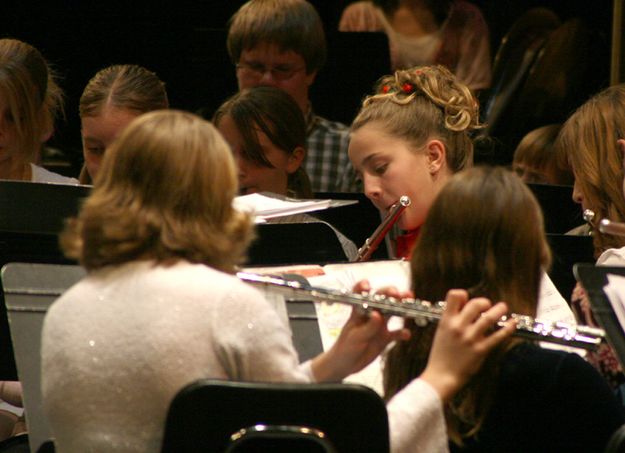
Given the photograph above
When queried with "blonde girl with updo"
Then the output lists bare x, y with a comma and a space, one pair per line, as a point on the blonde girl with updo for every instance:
409, 138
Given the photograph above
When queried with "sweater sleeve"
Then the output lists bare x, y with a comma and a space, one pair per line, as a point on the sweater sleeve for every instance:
416, 420
252, 342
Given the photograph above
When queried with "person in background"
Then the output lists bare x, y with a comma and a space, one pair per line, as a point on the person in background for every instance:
281, 43
452, 33
409, 138
485, 232
30, 100
111, 100
592, 140
536, 161
160, 308
266, 132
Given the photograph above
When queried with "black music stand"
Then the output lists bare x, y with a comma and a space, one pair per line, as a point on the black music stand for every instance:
31, 216
295, 243
560, 212
356, 221
566, 251
593, 279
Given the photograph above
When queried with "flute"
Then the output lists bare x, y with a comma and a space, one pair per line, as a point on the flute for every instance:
615, 228
372, 243
606, 226
422, 311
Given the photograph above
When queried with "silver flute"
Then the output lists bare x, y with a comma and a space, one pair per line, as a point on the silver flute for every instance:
422, 311
372, 242
606, 226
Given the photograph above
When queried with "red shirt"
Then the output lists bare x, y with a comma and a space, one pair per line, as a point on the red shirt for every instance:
405, 243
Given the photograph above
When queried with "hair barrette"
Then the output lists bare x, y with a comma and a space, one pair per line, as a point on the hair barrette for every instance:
408, 88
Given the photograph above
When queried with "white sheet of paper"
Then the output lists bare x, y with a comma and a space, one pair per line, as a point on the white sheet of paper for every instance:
615, 291
265, 207
332, 317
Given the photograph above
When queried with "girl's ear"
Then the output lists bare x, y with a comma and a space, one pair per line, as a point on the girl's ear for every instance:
295, 160
436, 155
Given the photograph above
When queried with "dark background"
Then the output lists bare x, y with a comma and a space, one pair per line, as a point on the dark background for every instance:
184, 43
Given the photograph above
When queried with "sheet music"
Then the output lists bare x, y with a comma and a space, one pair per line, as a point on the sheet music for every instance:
615, 291
267, 205
332, 317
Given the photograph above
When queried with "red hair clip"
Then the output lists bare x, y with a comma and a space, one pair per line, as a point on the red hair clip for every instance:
408, 88
386, 89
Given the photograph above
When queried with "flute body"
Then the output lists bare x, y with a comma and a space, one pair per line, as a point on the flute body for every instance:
584, 337
372, 243
614, 228
606, 226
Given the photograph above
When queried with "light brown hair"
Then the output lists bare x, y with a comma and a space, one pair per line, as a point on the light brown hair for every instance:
289, 24
165, 193
33, 98
536, 152
422, 103
477, 219
588, 140
127, 86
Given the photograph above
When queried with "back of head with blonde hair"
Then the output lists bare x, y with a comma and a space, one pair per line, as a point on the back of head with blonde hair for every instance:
30, 93
422, 103
165, 193
485, 233
289, 24
130, 87
589, 141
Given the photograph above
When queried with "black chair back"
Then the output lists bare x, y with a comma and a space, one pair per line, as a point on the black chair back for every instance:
566, 251
205, 414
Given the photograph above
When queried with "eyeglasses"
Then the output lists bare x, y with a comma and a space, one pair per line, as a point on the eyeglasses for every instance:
258, 70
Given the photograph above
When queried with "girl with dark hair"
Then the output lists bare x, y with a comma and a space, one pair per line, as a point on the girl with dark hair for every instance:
485, 232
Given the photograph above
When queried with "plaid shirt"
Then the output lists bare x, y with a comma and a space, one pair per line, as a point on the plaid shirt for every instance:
327, 163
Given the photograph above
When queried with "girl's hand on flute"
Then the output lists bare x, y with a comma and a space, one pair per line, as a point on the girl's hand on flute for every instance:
463, 339
363, 337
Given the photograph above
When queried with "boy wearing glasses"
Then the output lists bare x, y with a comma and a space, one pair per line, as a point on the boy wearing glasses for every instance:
281, 43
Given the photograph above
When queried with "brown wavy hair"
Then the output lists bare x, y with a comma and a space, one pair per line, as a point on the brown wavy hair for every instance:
165, 193
279, 117
422, 103
588, 141
477, 219
27, 83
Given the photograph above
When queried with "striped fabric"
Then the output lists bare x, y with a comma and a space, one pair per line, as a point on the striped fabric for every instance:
327, 162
